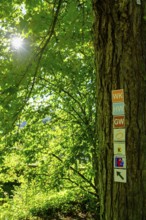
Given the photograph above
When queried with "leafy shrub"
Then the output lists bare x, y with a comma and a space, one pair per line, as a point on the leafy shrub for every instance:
30, 204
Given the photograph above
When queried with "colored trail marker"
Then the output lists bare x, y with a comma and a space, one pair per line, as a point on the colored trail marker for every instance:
118, 108
119, 121
119, 148
120, 175
119, 134
118, 95
119, 161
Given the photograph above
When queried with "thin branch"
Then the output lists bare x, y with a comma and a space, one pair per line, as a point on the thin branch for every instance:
51, 30
49, 36
77, 172
39, 57
70, 180
71, 96
74, 99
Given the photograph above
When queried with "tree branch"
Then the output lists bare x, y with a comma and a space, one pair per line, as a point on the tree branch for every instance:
70, 180
77, 172
39, 57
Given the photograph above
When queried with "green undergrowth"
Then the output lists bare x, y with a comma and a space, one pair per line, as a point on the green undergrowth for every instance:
30, 205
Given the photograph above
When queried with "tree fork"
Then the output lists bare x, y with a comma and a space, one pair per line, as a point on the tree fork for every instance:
120, 64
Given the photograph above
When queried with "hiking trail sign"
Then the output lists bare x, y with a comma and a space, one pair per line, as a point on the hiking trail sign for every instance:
119, 161
119, 121
119, 136
119, 148
118, 108
118, 95
120, 175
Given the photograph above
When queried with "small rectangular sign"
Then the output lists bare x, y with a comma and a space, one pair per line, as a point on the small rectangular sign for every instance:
118, 108
119, 148
118, 95
119, 121
119, 161
120, 175
119, 134
138, 2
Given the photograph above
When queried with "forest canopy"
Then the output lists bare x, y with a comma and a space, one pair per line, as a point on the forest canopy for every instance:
47, 105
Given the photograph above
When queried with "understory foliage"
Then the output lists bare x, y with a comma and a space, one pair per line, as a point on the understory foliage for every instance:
48, 112
31, 203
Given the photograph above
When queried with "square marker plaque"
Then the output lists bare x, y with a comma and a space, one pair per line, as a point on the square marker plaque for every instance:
118, 108
120, 175
120, 161
119, 134
119, 148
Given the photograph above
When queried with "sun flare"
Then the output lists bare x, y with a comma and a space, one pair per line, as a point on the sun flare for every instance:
17, 42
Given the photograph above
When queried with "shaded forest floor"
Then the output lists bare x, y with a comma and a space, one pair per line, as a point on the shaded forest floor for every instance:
73, 213
77, 216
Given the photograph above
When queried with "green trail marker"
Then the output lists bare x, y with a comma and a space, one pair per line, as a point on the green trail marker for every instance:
119, 174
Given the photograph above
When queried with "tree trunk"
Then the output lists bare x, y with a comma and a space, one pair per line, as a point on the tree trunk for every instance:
118, 42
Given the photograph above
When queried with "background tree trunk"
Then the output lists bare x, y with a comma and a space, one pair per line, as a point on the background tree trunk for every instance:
118, 43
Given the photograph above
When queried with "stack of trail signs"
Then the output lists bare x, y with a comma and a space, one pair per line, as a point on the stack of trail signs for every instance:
119, 132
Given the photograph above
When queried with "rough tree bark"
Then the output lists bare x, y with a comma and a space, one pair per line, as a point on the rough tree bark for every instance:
120, 64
